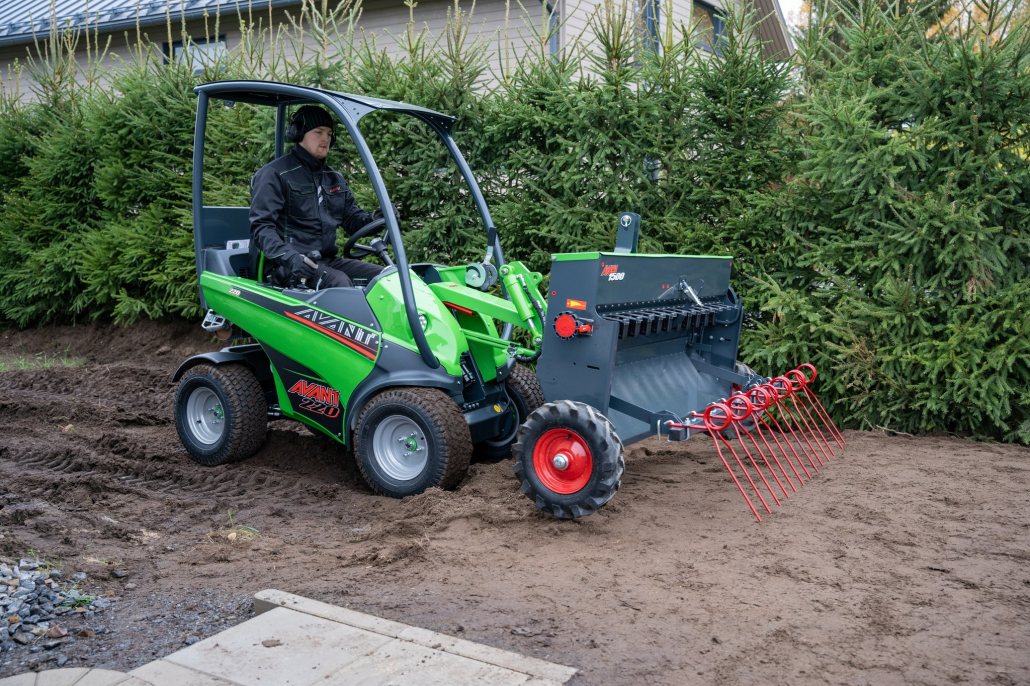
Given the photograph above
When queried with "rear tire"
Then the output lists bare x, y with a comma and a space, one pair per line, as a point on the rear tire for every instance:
410, 439
220, 413
525, 396
592, 452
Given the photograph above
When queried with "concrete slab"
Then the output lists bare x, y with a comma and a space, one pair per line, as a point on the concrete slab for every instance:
165, 672
406, 664
74, 676
28, 679
280, 647
104, 677
61, 677
548, 671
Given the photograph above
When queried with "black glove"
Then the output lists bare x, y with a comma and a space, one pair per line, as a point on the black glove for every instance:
299, 269
378, 214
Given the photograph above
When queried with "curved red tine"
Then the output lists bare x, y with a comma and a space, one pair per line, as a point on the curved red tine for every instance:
759, 402
825, 415
771, 394
801, 383
741, 402
804, 416
783, 389
800, 420
713, 430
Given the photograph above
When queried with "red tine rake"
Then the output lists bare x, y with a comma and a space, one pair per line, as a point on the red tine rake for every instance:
784, 411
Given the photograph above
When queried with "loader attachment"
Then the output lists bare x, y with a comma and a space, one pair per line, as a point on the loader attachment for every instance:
651, 342
645, 339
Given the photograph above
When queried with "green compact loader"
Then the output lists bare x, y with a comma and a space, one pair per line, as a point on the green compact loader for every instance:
417, 370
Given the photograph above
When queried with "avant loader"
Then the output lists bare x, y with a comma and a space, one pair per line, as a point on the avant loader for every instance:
418, 369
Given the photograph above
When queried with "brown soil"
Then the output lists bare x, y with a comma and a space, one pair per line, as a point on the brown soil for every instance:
904, 561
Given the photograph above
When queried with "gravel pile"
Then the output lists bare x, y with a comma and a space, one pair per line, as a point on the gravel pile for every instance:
42, 611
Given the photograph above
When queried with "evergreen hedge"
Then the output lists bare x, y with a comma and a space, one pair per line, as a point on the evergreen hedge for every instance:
874, 191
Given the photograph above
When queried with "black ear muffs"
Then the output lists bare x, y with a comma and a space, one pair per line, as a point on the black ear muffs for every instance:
295, 132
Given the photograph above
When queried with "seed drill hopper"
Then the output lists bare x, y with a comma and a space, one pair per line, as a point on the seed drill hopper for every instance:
651, 342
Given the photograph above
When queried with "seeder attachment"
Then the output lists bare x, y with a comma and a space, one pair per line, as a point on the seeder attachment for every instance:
783, 412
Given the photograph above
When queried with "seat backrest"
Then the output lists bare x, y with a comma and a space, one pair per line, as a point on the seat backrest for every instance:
219, 225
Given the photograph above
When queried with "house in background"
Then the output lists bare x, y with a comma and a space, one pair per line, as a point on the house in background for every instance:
506, 23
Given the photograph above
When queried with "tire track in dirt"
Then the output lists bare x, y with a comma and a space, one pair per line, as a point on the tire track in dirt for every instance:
119, 473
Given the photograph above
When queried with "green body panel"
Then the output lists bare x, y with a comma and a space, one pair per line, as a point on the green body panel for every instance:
443, 333
341, 368
574, 256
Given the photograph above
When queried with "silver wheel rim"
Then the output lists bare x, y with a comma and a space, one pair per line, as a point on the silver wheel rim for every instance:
400, 448
205, 416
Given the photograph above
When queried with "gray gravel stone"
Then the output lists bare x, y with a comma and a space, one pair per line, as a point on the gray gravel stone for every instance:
119, 573
62, 660
79, 576
55, 574
190, 640
23, 638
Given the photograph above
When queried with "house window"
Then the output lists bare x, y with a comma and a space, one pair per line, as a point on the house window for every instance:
710, 26
647, 23
553, 26
204, 52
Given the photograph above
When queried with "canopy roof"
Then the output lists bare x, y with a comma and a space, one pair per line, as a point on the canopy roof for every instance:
272, 93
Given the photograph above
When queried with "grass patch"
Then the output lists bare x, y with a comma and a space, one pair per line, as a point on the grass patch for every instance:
37, 361
233, 534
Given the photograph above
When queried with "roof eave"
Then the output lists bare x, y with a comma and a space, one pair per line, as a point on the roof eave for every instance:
145, 21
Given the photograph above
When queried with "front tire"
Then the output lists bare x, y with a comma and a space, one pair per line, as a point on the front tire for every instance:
569, 459
525, 396
220, 413
410, 439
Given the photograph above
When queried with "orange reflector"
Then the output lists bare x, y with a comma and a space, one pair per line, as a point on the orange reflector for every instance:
576, 304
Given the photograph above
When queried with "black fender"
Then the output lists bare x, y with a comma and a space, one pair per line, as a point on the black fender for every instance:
397, 366
251, 355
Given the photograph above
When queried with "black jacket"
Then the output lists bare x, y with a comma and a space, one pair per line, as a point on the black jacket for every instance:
285, 214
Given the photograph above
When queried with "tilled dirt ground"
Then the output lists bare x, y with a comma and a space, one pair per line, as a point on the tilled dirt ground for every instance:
904, 561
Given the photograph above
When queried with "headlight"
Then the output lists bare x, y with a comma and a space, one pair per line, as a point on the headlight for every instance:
423, 321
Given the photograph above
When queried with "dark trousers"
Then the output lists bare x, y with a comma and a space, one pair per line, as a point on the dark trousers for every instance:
332, 273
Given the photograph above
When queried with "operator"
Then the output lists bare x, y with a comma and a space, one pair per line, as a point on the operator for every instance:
298, 201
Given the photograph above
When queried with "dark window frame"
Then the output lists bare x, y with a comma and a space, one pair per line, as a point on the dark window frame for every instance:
169, 48
718, 24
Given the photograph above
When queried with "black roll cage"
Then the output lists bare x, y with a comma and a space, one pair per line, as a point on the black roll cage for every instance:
349, 109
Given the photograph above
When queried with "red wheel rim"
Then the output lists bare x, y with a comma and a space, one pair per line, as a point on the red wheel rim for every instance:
580, 463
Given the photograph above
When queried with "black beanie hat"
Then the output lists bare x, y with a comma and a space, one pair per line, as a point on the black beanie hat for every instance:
306, 118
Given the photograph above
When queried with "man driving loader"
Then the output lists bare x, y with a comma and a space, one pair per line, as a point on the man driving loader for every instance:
297, 203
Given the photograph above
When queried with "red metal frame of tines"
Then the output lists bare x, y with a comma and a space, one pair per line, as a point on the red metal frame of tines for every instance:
785, 411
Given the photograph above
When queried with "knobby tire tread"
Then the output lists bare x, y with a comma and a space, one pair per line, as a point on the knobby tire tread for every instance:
447, 418
587, 421
249, 411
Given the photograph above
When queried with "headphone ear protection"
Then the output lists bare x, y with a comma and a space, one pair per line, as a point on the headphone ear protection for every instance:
294, 135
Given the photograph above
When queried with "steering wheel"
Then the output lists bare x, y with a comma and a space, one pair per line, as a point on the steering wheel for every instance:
355, 251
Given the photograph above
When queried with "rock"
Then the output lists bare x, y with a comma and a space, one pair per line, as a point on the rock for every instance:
101, 629
5, 571
79, 576
23, 638
50, 645
55, 574
62, 660
28, 565
271, 642
28, 585
119, 573
24, 612
13, 619
35, 649
86, 633
164, 349
190, 640
130, 586
57, 632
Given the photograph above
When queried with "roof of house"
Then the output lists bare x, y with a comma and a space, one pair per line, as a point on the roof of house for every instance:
22, 20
